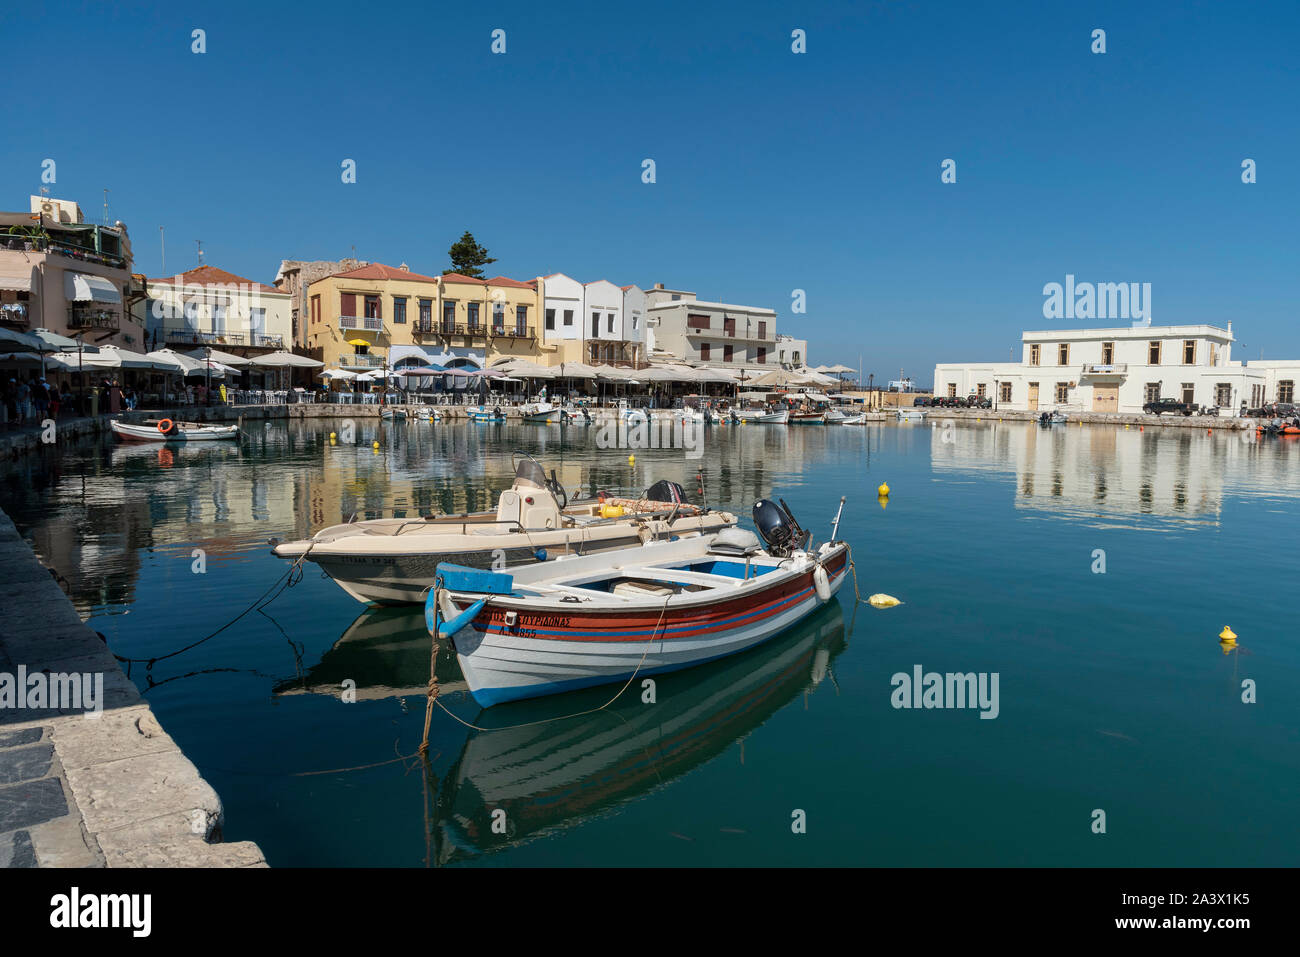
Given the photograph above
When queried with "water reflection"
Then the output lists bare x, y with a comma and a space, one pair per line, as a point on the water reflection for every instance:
1108, 473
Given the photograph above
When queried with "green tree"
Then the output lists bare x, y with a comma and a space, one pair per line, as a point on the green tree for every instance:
467, 256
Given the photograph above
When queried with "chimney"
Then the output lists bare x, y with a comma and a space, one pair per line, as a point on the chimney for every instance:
404, 268
659, 285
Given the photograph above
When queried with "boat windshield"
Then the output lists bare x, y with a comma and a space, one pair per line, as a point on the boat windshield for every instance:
528, 472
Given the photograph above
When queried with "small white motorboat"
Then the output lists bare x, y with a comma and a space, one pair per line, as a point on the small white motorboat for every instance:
543, 412
762, 416
911, 415
393, 415
392, 560
484, 414
658, 607
167, 430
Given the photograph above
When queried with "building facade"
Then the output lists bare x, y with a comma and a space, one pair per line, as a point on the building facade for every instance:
208, 306
294, 276
712, 333
58, 272
1121, 369
792, 353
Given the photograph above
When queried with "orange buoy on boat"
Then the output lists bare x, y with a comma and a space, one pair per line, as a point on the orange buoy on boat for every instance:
165, 425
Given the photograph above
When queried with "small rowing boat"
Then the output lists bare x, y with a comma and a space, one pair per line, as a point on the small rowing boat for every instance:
393, 415
645, 610
166, 430
484, 414
541, 412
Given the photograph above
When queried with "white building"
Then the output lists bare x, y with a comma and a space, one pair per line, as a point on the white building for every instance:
1120, 369
209, 306
603, 309
561, 309
714, 333
792, 353
634, 320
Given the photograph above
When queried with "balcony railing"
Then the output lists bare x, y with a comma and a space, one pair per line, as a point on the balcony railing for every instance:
14, 313
194, 337
94, 319
55, 247
513, 332
364, 323
361, 361
1105, 368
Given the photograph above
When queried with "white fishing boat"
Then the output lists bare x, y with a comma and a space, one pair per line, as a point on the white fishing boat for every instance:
762, 416
541, 412
911, 415
637, 611
393, 415
166, 430
392, 560
428, 414
484, 414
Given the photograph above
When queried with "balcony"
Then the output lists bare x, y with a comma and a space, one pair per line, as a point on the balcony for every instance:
728, 332
80, 317
1104, 369
193, 337
14, 313
513, 332
361, 323
361, 361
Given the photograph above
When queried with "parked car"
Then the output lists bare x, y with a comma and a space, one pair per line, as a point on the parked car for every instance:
921, 400
1161, 406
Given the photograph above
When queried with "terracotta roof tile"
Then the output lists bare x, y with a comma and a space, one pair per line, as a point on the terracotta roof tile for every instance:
514, 283
458, 277
381, 272
212, 276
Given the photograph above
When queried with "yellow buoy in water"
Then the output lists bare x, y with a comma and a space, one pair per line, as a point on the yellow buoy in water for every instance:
883, 491
1228, 636
331, 436
631, 460
375, 445
880, 600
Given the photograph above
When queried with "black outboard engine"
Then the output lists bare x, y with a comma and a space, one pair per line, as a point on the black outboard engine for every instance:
665, 491
778, 528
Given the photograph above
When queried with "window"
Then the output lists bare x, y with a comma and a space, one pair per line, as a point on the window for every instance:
1223, 394
762, 329
727, 352
315, 308
595, 324
1189, 393
448, 316
704, 351
471, 316
399, 309
1062, 393
1214, 354
695, 321
568, 317
1006, 391
219, 318
498, 313
1035, 354
676, 297
1107, 353
1189, 352
1152, 391
609, 322
761, 356
728, 326
981, 389
372, 307
1286, 390
550, 319
521, 320
1153, 354
1063, 354
347, 304
1256, 396
635, 319
952, 390
426, 315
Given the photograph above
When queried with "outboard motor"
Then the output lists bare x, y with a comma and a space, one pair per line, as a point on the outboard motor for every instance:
665, 491
778, 528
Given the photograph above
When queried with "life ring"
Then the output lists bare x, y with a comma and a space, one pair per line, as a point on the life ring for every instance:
165, 426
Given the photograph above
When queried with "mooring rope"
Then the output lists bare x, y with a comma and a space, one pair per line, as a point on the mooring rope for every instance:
287, 580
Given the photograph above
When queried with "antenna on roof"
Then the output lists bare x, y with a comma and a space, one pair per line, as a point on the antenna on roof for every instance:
105, 207
200, 245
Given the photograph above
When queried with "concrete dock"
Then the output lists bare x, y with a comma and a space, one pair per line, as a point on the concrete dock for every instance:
112, 790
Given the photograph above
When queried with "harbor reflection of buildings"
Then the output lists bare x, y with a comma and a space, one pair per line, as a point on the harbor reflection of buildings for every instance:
1078, 471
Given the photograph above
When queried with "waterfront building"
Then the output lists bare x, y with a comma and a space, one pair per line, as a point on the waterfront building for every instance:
563, 298
60, 273
1121, 369
294, 276
791, 353
717, 334
208, 306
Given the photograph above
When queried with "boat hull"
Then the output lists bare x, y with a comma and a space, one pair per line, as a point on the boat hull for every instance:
764, 418
544, 653
148, 433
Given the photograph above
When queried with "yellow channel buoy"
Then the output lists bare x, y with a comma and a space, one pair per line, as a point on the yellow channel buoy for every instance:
331, 436
883, 491
1228, 636
375, 445
881, 600
631, 460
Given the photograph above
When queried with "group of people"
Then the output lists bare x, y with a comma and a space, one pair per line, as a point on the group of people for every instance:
32, 400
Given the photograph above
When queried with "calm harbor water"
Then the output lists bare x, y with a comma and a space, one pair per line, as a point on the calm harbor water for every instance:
1114, 691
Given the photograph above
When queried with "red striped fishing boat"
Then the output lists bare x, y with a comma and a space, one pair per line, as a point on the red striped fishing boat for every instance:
624, 613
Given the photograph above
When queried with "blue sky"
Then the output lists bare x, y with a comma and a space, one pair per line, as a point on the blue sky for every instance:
775, 171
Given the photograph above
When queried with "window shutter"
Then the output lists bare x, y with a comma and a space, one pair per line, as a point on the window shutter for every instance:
348, 304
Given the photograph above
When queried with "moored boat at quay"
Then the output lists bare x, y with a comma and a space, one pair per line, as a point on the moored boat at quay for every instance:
644, 610
166, 430
393, 560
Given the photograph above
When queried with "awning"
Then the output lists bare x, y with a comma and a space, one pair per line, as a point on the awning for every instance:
17, 275
83, 287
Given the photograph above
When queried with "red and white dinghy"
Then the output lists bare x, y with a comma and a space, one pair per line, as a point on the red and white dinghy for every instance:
165, 430
658, 607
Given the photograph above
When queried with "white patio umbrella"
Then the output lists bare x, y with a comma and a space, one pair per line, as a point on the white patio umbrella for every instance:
225, 358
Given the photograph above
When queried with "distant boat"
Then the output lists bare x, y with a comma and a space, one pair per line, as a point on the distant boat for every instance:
484, 414
762, 416
393, 415
165, 430
911, 415
807, 418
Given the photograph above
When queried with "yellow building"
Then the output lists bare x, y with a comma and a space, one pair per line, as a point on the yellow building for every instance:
380, 316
